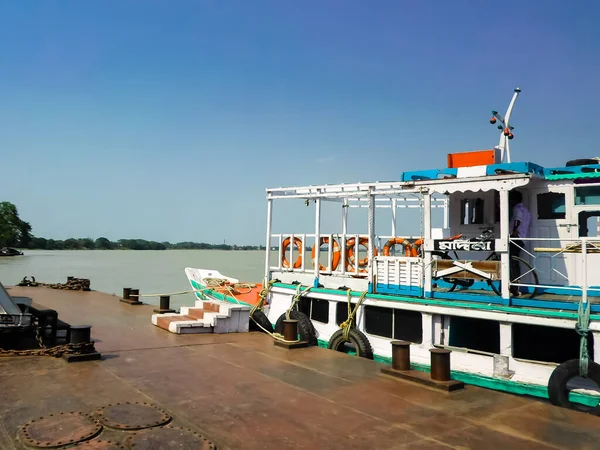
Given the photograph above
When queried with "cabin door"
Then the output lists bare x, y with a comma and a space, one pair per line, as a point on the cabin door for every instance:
552, 218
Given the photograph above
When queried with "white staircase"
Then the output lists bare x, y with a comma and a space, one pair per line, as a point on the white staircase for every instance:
206, 317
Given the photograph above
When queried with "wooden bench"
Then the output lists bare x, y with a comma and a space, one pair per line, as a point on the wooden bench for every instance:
491, 269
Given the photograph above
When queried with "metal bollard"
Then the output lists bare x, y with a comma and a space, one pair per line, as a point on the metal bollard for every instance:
290, 330
440, 364
81, 334
134, 295
164, 302
401, 355
126, 292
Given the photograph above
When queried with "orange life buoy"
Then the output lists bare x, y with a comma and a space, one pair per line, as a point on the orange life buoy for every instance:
408, 249
284, 246
350, 260
335, 257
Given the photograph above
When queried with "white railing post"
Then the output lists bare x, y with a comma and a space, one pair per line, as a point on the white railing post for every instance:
345, 208
371, 254
268, 256
584, 285
280, 252
317, 236
426, 239
505, 237
303, 252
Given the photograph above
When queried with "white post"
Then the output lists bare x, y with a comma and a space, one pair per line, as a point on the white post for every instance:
317, 237
504, 145
446, 212
371, 229
426, 240
584, 286
505, 237
269, 223
345, 208
394, 206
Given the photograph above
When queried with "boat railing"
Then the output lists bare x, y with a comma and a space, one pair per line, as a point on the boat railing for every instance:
297, 252
563, 266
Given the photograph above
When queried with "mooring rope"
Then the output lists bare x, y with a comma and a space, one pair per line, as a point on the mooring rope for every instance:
347, 324
583, 328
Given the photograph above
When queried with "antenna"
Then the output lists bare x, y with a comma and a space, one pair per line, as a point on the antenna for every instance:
505, 127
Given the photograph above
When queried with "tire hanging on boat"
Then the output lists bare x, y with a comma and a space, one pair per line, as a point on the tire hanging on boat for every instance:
557, 385
355, 337
260, 318
306, 329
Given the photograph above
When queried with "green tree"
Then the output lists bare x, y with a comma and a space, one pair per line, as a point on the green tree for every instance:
103, 243
14, 232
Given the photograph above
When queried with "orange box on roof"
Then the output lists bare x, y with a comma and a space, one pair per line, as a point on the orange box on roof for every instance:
470, 159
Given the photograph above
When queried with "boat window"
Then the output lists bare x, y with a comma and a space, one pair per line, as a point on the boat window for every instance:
408, 326
471, 211
379, 321
551, 205
319, 310
341, 313
475, 334
588, 195
588, 223
547, 344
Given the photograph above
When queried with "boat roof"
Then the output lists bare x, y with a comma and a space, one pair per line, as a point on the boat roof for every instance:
504, 176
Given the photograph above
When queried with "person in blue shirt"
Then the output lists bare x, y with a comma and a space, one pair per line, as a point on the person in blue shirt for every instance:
519, 229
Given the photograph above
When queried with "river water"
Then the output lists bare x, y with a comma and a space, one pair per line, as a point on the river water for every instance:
150, 271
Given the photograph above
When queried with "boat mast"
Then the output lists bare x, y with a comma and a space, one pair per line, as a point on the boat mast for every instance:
506, 129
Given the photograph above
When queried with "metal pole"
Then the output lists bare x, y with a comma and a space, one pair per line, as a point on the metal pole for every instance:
505, 237
317, 237
344, 231
427, 244
268, 246
371, 237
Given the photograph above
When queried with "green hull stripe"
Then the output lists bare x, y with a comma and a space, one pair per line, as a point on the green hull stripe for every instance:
451, 304
493, 383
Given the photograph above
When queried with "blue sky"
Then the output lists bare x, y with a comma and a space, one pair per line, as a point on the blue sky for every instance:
168, 120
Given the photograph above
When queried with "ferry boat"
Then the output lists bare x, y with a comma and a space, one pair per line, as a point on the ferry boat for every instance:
519, 309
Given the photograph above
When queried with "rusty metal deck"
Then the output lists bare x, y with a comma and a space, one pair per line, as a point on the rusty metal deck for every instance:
242, 392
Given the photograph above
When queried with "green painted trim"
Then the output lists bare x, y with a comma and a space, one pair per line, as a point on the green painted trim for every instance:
449, 304
495, 384
572, 176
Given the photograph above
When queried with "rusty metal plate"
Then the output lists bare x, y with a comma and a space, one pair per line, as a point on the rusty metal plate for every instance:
99, 445
58, 430
132, 416
166, 438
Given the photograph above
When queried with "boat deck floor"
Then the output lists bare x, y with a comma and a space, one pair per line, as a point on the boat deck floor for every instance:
242, 392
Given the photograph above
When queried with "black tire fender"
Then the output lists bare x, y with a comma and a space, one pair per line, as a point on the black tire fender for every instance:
557, 385
356, 337
582, 162
260, 318
306, 330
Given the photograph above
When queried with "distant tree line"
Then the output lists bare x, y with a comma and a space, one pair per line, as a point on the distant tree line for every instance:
15, 232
